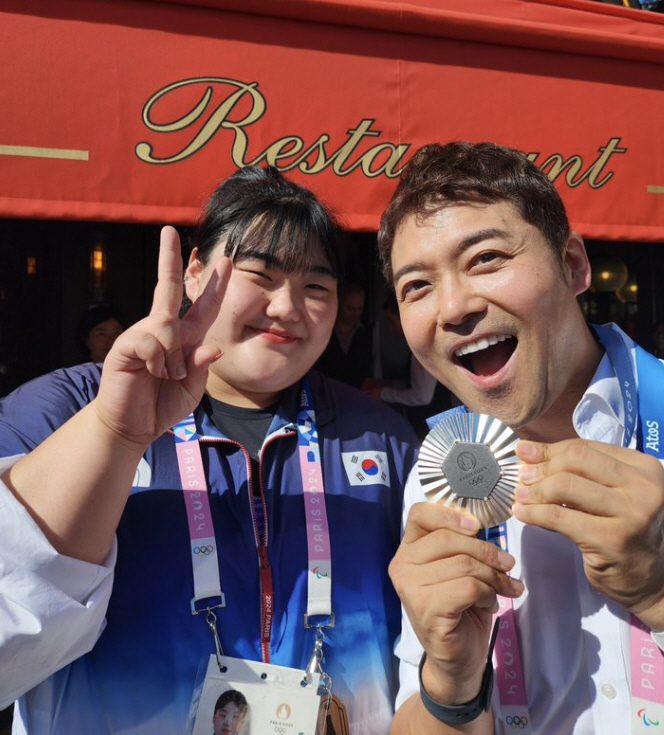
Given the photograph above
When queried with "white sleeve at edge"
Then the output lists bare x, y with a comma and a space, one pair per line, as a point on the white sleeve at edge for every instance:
659, 639
52, 607
408, 648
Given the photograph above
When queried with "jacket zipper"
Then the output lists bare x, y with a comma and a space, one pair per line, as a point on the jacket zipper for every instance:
264, 567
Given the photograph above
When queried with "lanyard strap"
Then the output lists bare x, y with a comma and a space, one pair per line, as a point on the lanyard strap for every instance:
319, 587
647, 403
646, 660
507, 654
204, 556
640, 400
204, 553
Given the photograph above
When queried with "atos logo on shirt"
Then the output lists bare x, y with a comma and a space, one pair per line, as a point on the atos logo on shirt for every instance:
652, 439
366, 468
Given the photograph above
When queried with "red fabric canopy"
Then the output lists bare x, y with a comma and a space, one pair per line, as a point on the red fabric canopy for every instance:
134, 111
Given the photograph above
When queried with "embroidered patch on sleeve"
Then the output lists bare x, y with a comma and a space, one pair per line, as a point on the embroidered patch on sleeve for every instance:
366, 468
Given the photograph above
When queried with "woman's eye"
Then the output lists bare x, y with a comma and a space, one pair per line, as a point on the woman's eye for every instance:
258, 273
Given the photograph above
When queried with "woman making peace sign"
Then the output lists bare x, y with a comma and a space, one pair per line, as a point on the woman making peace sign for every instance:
103, 525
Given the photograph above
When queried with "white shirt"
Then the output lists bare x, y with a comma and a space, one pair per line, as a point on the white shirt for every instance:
575, 642
57, 602
419, 392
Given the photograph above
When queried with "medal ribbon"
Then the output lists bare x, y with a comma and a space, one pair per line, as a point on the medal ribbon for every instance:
646, 658
204, 554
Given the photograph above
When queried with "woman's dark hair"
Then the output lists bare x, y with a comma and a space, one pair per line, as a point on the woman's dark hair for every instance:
234, 696
258, 210
459, 172
93, 316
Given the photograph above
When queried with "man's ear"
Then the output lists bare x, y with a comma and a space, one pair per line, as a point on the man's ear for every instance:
192, 276
576, 265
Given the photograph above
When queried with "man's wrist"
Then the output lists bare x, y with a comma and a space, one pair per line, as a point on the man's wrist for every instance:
459, 714
652, 614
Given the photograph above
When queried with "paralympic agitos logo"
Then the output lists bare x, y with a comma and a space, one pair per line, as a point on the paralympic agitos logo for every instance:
207, 105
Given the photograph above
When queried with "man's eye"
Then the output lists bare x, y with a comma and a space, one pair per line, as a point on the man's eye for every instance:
487, 257
412, 287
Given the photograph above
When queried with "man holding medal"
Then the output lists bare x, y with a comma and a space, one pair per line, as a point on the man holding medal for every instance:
487, 274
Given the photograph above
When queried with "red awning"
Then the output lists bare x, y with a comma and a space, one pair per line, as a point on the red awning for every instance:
133, 111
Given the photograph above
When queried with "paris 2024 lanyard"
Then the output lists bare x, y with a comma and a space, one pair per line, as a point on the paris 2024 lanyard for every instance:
208, 595
641, 400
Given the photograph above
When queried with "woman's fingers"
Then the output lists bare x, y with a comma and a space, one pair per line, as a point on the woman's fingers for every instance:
180, 341
167, 298
205, 309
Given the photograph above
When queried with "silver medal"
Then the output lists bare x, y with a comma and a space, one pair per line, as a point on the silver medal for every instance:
468, 460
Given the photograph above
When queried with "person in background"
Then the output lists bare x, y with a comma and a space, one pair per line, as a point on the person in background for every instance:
97, 330
348, 354
303, 476
421, 385
413, 398
487, 272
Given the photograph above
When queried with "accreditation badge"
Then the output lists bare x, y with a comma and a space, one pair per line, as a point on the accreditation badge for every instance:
469, 460
241, 697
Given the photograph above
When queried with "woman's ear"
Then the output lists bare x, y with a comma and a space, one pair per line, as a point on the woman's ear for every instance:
576, 265
192, 276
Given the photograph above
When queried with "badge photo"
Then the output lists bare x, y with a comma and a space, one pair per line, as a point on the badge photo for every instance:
253, 698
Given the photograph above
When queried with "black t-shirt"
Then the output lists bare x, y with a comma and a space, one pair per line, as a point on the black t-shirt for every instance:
248, 426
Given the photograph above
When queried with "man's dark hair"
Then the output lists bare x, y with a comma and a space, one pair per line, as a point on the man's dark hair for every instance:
258, 209
460, 173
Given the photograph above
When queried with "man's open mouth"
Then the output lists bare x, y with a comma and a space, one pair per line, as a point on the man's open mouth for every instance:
487, 355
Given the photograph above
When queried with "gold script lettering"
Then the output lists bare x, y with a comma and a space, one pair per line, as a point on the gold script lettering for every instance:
244, 106
555, 164
217, 118
285, 153
316, 157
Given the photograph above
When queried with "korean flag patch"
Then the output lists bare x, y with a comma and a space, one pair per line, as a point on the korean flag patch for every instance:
366, 468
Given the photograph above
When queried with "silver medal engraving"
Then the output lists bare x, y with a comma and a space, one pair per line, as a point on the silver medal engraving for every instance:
468, 460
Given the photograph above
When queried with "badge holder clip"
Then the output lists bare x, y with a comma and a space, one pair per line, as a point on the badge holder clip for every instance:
315, 665
211, 620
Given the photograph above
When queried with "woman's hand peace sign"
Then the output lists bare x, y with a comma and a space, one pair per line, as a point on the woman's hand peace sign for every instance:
155, 374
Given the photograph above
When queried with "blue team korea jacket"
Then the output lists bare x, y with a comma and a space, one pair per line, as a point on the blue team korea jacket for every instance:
139, 677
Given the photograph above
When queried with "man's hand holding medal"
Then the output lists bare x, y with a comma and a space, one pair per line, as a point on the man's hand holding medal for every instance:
610, 502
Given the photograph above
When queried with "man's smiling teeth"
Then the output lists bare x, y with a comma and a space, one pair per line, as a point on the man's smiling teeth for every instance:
481, 344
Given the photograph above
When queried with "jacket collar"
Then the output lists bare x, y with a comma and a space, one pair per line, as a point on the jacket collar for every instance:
285, 418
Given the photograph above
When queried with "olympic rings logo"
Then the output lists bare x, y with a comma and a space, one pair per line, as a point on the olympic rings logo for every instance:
203, 550
516, 722
280, 730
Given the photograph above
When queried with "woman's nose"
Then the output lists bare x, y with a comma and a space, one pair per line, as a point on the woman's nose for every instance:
283, 304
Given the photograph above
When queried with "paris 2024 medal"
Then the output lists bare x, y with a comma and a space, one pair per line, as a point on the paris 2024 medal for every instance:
468, 460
